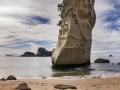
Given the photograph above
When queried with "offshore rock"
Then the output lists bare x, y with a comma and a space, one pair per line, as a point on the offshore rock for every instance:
28, 54
100, 60
75, 36
42, 52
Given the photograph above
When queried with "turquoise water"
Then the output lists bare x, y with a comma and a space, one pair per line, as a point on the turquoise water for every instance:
37, 67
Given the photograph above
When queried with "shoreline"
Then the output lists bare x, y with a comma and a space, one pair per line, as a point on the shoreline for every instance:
81, 84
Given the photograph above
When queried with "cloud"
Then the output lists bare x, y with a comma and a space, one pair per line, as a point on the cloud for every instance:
106, 32
113, 16
26, 25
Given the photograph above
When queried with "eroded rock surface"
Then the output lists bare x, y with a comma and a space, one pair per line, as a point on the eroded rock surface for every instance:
75, 36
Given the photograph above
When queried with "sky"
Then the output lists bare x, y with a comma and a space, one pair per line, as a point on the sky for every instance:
26, 25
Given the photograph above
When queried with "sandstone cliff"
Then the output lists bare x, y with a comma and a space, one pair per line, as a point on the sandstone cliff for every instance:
75, 36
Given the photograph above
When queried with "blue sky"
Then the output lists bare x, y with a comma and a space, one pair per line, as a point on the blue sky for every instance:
27, 25
113, 16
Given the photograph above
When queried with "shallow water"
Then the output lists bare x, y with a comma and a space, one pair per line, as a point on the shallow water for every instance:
37, 67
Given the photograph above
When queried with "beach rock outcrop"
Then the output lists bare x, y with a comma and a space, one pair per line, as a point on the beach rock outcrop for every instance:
63, 87
11, 77
100, 60
28, 54
75, 36
42, 52
23, 86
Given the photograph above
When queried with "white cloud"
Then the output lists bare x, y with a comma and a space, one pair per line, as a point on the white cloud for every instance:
101, 6
104, 39
13, 28
12, 17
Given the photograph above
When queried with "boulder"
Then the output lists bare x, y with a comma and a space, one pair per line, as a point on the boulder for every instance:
28, 54
11, 77
42, 52
100, 60
62, 87
23, 86
75, 36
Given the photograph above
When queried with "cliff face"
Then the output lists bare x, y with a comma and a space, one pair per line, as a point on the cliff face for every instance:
75, 36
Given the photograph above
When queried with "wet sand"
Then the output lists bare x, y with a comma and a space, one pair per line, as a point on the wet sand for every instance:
48, 84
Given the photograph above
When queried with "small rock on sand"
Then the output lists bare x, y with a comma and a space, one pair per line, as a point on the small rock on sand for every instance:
100, 60
11, 77
62, 86
23, 86
3, 79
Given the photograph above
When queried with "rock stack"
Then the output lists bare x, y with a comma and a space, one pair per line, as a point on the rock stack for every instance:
75, 36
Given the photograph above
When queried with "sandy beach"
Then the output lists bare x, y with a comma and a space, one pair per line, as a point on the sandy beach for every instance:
84, 84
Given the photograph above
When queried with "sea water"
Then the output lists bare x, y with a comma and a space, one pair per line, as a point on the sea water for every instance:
41, 67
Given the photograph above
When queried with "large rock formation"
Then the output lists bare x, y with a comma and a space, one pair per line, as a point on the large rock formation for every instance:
42, 52
75, 36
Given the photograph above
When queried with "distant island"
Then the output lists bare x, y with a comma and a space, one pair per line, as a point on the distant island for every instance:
9, 55
42, 52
